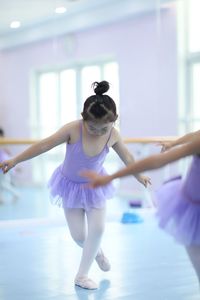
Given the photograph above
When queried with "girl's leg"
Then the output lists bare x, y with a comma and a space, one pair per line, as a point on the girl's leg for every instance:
194, 254
96, 225
77, 224
78, 229
89, 241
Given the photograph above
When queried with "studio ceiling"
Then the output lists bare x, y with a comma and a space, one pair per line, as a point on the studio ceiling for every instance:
39, 21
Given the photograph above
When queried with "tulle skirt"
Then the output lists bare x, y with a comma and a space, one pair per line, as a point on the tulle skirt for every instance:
69, 194
178, 213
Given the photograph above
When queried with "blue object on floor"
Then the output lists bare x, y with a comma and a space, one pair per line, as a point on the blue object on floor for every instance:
129, 217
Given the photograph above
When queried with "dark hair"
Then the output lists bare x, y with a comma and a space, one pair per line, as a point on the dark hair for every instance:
99, 106
1, 132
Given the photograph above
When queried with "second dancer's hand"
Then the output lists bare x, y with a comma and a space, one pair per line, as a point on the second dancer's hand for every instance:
165, 146
95, 180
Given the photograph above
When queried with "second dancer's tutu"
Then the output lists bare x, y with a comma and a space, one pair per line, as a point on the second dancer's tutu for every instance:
178, 206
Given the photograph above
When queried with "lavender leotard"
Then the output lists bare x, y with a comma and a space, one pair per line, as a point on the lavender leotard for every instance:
179, 206
68, 189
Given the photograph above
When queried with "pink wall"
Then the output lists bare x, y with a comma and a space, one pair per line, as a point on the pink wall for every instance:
147, 57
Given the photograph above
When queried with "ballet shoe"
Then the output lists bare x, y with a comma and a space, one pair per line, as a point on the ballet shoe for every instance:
103, 262
85, 283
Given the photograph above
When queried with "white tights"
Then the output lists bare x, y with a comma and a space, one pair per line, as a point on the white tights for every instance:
86, 229
194, 255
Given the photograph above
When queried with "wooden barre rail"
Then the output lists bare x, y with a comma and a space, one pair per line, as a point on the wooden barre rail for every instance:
10, 141
148, 140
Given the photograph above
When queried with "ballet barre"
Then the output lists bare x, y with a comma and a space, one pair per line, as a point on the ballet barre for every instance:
11, 141
147, 140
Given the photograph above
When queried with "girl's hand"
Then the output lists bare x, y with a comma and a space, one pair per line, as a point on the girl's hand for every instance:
145, 180
7, 165
95, 179
165, 146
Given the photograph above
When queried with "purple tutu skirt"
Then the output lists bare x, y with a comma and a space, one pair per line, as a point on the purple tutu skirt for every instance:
178, 212
70, 194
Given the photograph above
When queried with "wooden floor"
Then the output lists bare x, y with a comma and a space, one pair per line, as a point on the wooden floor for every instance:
38, 259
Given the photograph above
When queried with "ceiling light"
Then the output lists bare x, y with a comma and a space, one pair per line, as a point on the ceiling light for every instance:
15, 24
60, 10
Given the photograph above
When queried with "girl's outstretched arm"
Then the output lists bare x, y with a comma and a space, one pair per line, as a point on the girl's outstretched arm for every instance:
123, 152
188, 138
38, 148
152, 162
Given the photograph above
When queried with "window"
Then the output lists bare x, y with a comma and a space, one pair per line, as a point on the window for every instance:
59, 99
195, 96
189, 55
194, 25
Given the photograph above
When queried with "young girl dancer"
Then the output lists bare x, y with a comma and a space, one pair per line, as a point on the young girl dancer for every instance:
178, 200
88, 142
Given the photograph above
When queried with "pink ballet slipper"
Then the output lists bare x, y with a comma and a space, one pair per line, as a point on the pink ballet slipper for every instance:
103, 262
85, 283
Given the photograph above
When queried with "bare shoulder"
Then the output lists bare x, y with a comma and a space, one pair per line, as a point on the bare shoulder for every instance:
74, 125
74, 130
114, 138
66, 133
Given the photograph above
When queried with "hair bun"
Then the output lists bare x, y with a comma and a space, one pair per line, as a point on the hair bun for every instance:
100, 87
